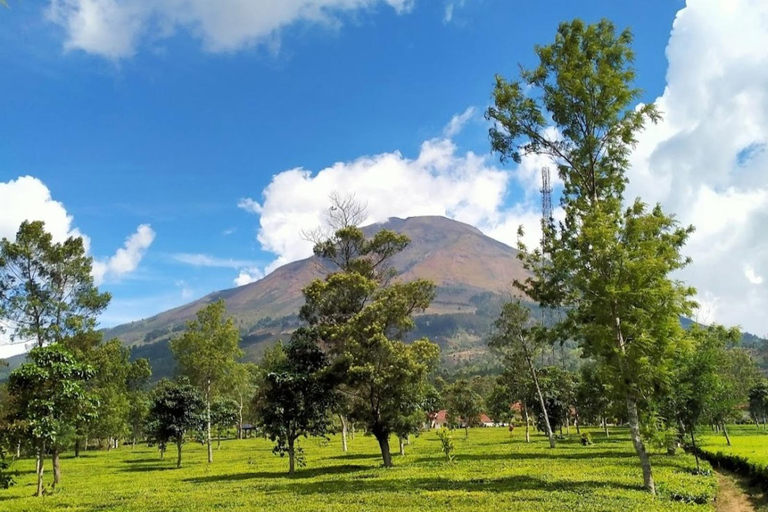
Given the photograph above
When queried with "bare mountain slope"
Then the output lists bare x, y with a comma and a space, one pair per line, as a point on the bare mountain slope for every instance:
471, 270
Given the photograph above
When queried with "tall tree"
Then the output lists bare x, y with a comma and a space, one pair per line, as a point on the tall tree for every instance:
241, 386
49, 397
609, 264
46, 288
361, 315
176, 410
516, 338
207, 354
297, 396
223, 416
758, 402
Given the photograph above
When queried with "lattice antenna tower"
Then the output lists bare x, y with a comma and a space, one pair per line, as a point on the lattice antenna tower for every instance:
546, 194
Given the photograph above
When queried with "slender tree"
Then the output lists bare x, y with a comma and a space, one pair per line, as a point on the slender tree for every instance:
46, 288
609, 264
516, 338
207, 354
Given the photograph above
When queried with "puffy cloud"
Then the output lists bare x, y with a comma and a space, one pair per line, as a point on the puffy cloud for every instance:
115, 28
127, 258
439, 181
248, 275
706, 161
27, 198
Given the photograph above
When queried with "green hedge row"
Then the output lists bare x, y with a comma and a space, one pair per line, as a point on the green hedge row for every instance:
754, 470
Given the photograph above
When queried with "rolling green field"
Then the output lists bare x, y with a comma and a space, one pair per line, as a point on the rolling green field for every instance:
748, 453
494, 471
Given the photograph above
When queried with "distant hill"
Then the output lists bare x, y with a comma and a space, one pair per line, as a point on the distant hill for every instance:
473, 272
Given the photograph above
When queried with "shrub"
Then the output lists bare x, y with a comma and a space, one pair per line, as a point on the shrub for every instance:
446, 442
586, 439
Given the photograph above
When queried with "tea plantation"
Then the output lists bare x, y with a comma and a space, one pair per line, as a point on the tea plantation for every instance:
494, 471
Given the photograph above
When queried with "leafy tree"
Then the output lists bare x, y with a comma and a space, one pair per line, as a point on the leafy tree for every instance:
46, 288
48, 396
224, 415
758, 402
464, 406
176, 410
609, 264
553, 385
207, 354
593, 396
297, 396
516, 339
241, 386
139, 374
499, 404
432, 404
361, 315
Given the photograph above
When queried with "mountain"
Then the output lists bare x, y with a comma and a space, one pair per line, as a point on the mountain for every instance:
472, 272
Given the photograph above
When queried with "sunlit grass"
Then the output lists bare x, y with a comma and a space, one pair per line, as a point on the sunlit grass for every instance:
493, 471
748, 453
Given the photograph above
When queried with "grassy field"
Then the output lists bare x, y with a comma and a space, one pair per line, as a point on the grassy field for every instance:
746, 441
494, 471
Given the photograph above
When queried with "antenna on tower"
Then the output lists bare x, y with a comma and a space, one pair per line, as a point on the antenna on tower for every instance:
546, 194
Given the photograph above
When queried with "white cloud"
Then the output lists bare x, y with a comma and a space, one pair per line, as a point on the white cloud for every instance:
205, 260
127, 258
458, 121
751, 275
706, 160
248, 275
27, 198
439, 181
450, 8
116, 28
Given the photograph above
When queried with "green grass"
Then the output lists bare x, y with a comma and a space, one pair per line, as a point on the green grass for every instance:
748, 453
493, 472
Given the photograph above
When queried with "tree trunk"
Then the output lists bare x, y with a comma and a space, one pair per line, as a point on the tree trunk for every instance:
240, 419
466, 431
291, 457
727, 437
402, 445
40, 464
695, 451
605, 427
56, 466
178, 448
352, 431
527, 424
162, 452
577, 422
77, 447
634, 428
343, 433
109, 445
550, 434
386, 456
208, 421
18, 450
218, 440
567, 424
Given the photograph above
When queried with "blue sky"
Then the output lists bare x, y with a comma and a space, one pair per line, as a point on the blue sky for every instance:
175, 127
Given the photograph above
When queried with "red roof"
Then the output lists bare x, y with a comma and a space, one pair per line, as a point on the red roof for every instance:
485, 419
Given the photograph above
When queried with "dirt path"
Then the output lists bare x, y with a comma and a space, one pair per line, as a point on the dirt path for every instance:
735, 495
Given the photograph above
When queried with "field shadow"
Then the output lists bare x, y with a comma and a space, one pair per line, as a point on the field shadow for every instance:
510, 484
300, 474
356, 456
146, 468
547, 455
143, 461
